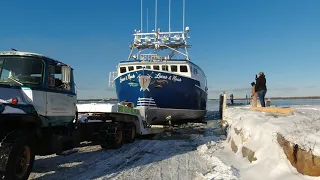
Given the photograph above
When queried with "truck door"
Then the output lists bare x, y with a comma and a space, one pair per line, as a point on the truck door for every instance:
61, 99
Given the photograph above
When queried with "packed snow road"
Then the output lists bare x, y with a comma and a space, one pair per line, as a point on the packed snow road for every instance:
172, 155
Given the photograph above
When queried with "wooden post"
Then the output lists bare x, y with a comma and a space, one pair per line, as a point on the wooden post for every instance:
220, 105
224, 106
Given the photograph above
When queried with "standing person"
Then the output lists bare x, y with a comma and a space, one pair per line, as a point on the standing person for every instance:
261, 88
254, 95
231, 98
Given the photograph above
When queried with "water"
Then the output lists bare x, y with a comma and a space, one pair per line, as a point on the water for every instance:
213, 105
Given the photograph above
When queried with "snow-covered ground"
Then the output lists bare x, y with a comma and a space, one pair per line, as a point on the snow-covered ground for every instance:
197, 151
171, 155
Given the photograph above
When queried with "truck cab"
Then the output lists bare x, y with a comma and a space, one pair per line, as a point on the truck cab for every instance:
46, 84
37, 110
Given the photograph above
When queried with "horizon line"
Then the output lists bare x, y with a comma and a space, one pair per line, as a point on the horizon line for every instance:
292, 97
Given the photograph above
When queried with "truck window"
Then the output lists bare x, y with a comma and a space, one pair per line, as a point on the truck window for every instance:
1, 63
55, 78
21, 70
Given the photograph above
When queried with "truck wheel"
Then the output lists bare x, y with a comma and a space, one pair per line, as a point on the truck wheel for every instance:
113, 136
130, 133
17, 156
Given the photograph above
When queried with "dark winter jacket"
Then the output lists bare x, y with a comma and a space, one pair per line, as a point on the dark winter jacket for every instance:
261, 83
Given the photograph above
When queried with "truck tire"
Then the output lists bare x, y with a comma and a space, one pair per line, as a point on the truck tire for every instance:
17, 156
112, 136
129, 133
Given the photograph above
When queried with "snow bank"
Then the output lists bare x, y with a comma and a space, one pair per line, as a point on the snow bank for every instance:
219, 170
303, 127
252, 135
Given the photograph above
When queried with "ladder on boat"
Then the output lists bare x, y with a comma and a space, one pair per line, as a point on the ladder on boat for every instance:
112, 76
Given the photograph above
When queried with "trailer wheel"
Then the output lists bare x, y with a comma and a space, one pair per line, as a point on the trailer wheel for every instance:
112, 136
17, 156
130, 133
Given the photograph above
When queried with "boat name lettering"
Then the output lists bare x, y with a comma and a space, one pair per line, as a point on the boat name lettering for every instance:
171, 78
128, 77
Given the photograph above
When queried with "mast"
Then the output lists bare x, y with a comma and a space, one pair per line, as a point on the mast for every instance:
183, 14
155, 16
141, 17
169, 15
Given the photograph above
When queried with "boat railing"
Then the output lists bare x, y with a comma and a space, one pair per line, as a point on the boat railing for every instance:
158, 38
152, 57
175, 42
112, 77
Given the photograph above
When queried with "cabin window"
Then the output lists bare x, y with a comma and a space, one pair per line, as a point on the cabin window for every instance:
21, 70
183, 68
195, 70
148, 67
165, 68
123, 69
156, 67
130, 68
174, 68
139, 67
55, 78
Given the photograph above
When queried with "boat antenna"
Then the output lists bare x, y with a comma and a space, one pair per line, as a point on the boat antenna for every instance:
141, 16
169, 15
183, 13
147, 21
155, 16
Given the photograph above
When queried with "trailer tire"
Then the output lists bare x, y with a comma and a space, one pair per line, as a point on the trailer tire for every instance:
114, 137
17, 156
130, 133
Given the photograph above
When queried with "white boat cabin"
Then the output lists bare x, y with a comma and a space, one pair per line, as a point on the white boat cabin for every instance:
178, 67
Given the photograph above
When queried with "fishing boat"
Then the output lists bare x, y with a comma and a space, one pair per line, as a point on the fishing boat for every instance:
160, 77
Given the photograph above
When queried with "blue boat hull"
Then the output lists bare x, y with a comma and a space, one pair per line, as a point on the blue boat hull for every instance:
163, 93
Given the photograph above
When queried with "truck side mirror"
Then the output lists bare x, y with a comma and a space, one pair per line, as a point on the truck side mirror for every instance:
66, 74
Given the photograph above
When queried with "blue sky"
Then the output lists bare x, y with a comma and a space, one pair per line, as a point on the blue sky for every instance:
232, 40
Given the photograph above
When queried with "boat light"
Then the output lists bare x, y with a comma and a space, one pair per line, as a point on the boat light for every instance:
137, 40
166, 39
176, 37
14, 101
187, 29
148, 40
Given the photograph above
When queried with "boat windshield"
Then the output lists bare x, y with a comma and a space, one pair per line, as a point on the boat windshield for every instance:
20, 70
